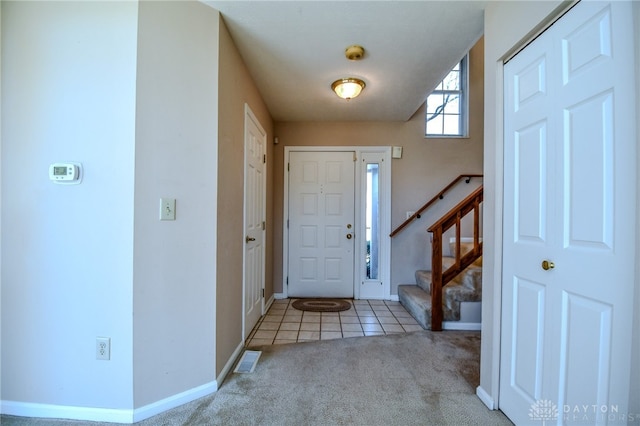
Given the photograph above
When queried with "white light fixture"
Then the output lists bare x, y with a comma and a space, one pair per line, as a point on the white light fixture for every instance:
348, 88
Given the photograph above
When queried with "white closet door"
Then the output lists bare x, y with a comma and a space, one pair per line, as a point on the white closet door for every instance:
569, 201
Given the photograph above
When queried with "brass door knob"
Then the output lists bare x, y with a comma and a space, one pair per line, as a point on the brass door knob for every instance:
546, 265
248, 238
349, 236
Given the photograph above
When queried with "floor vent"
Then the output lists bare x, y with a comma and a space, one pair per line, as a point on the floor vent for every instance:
248, 362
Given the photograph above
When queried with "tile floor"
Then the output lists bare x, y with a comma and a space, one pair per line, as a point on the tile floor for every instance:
285, 324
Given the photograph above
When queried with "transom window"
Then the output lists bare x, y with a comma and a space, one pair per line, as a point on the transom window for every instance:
447, 105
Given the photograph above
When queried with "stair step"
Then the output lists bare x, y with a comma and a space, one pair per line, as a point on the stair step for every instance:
423, 280
472, 279
447, 261
417, 302
466, 287
452, 297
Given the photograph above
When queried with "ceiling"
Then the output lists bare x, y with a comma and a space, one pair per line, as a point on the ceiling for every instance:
294, 50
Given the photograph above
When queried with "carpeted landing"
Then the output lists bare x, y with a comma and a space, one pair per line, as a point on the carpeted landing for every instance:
419, 378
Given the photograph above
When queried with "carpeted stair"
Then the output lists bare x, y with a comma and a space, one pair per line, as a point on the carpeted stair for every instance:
465, 287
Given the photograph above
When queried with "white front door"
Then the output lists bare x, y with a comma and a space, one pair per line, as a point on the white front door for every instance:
254, 217
569, 201
321, 224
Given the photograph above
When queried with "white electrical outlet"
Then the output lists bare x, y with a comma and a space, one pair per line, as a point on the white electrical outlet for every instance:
103, 348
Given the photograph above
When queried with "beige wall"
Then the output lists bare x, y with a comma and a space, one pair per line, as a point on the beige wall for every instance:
236, 89
427, 165
175, 156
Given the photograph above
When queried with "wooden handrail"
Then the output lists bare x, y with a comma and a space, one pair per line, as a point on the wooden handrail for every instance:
440, 278
465, 205
438, 196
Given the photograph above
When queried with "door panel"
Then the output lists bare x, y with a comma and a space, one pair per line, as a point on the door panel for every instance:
528, 344
321, 219
586, 339
588, 177
254, 216
569, 199
531, 181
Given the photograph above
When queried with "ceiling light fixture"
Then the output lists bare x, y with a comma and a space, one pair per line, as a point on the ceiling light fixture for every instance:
354, 52
348, 88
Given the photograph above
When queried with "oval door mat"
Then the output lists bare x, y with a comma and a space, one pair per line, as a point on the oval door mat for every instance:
321, 305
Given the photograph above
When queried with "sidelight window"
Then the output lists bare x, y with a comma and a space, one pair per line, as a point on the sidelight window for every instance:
372, 222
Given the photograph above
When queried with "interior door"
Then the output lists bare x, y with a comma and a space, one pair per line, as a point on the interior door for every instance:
569, 219
254, 217
321, 224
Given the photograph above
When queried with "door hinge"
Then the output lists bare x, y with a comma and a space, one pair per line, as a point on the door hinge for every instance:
354, 157
264, 158
287, 280
264, 225
288, 166
263, 293
287, 223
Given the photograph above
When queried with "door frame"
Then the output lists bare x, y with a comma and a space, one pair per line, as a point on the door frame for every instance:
385, 215
249, 115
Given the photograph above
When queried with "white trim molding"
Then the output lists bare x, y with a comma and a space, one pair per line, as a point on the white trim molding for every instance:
49, 411
174, 401
112, 415
230, 362
456, 325
268, 303
486, 398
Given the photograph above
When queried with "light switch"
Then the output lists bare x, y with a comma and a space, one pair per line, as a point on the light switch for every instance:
396, 152
167, 209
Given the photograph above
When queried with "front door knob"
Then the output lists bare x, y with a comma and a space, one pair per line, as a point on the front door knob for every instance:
248, 238
349, 236
546, 265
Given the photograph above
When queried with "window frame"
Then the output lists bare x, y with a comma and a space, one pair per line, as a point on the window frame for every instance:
463, 103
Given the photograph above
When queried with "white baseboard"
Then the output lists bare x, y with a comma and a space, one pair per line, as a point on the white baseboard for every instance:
268, 303
279, 296
190, 395
230, 362
485, 398
456, 325
174, 401
125, 416
49, 411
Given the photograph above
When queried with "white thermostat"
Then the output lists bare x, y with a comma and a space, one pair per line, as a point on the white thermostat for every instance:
68, 173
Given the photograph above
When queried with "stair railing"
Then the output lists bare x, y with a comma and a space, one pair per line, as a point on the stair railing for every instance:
440, 278
439, 196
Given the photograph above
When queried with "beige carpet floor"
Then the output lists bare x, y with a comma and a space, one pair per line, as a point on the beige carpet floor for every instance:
419, 378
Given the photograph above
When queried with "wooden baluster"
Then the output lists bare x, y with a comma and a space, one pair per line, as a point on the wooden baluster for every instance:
458, 248
436, 280
476, 226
